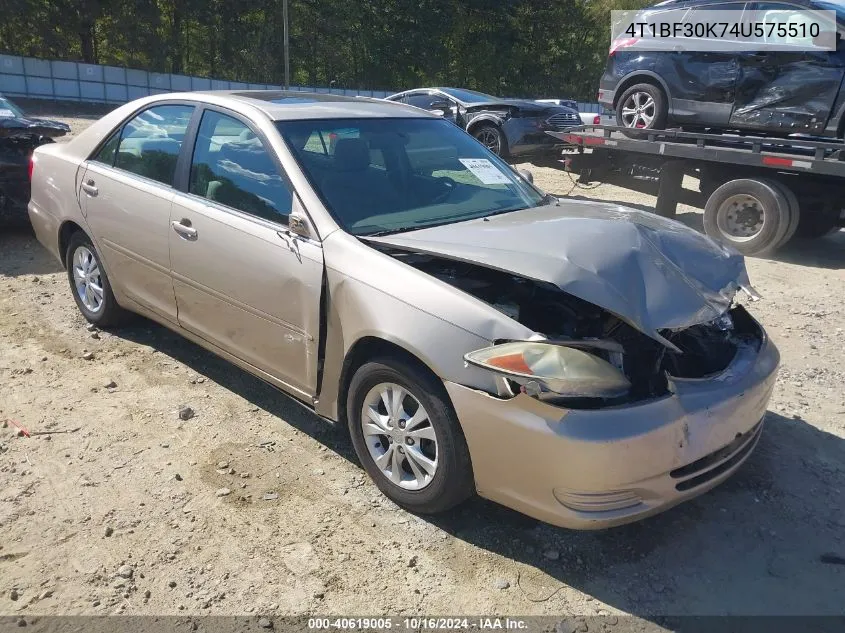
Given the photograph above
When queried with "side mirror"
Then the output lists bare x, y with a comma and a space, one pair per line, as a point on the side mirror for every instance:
442, 105
526, 175
299, 225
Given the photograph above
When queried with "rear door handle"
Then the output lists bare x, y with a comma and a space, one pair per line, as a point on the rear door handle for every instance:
89, 188
184, 229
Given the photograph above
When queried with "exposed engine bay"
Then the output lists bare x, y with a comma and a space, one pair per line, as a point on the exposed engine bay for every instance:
704, 349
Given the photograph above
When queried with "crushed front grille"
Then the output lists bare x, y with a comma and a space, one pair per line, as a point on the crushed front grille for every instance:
563, 120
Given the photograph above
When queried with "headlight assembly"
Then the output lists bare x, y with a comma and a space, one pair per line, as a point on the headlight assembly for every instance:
565, 371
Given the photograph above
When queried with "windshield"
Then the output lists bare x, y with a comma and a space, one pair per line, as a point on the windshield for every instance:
8, 109
380, 176
469, 96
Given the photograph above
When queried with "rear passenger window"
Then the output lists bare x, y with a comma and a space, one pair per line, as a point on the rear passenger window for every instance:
150, 142
231, 166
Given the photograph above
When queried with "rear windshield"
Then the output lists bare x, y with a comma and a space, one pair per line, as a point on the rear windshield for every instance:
381, 176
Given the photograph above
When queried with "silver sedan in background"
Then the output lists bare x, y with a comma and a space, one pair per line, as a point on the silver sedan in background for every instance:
582, 363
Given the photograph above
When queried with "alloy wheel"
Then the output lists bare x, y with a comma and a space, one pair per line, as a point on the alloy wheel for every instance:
87, 279
490, 139
399, 436
639, 110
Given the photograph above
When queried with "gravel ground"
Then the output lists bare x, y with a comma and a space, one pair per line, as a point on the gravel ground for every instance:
253, 505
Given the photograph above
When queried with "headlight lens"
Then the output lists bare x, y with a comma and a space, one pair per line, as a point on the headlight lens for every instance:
553, 367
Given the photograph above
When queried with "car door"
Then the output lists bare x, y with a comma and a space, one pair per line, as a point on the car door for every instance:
791, 89
126, 193
243, 281
701, 77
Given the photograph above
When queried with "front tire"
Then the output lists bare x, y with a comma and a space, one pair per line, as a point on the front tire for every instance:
407, 436
492, 138
89, 283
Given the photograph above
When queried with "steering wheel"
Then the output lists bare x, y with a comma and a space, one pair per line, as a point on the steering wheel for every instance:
450, 185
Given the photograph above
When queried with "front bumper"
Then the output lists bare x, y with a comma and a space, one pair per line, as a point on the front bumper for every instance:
528, 136
591, 469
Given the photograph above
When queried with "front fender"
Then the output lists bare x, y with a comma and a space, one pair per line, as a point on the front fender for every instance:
370, 294
477, 120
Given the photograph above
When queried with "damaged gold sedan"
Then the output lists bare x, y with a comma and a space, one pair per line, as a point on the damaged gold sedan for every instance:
585, 364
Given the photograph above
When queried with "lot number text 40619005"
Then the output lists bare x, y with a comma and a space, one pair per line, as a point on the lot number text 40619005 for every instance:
418, 624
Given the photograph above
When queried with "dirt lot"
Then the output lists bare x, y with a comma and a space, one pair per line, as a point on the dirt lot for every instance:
117, 506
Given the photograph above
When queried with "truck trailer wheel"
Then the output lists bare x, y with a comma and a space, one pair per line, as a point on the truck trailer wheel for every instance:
753, 216
794, 210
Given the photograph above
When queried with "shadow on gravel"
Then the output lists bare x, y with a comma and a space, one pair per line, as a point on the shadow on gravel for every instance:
823, 252
250, 388
758, 544
21, 254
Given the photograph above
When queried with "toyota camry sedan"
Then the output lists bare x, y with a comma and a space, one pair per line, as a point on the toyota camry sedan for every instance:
583, 363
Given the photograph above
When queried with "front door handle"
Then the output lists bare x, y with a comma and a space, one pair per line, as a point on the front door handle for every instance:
184, 229
89, 188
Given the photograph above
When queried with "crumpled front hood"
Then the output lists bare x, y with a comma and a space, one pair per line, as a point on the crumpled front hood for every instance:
652, 272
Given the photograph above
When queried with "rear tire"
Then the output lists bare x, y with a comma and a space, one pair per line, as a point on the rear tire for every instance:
750, 215
794, 210
90, 284
642, 106
415, 486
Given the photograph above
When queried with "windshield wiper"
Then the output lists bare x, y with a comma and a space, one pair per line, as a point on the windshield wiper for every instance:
390, 231
452, 220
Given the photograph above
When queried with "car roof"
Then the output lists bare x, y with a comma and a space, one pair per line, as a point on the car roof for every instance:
281, 105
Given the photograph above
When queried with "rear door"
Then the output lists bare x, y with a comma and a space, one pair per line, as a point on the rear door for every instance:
791, 90
702, 82
243, 282
125, 195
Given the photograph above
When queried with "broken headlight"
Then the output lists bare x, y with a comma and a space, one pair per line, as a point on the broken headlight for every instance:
539, 367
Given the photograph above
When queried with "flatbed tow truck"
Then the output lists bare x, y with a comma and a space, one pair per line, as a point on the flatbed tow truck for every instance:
757, 192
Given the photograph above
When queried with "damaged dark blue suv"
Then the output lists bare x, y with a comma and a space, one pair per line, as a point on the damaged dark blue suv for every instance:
796, 89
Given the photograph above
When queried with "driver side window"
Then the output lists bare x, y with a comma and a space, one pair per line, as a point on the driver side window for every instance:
231, 166
423, 101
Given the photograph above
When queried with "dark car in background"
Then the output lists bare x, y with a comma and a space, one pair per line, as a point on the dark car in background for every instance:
795, 89
507, 127
19, 135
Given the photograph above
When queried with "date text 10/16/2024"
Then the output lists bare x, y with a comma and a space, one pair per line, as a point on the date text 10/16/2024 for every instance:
418, 624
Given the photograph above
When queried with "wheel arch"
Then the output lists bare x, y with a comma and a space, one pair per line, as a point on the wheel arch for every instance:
642, 77
369, 347
66, 230
482, 119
